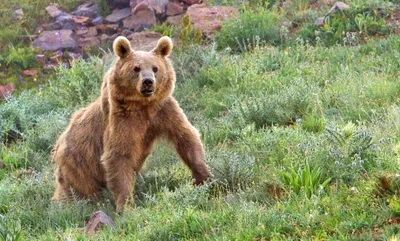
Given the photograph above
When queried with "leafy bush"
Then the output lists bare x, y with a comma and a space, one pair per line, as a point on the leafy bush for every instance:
353, 151
305, 179
233, 172
23, 57
252, 29
348, 27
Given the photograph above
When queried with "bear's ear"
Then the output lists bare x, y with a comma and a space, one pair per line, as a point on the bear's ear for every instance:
164, 46
122, 47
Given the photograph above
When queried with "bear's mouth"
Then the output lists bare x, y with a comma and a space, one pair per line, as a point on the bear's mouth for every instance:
147, 93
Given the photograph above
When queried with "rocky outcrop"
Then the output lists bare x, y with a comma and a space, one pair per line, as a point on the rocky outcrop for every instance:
55, 40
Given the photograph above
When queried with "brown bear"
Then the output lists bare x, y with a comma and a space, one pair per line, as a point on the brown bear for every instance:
107, 142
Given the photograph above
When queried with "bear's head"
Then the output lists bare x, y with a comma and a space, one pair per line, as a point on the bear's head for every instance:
140, 75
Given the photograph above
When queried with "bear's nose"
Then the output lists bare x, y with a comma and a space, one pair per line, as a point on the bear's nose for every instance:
148, 82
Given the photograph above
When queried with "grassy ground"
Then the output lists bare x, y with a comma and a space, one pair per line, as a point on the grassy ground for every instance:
302, 138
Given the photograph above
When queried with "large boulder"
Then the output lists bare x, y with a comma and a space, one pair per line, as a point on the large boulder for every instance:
144, 41
208, 20
118, 15
54, 40
88, 9
158, 6
144, 17
174, 9
64, 21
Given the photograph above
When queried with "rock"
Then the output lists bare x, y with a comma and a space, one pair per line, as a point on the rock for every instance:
98, 20
97, 221
18, 14
118, 3
319, 22
41, 58
54, 40
126, 32
2, 165
158, 6
144, 18
89, 42
81, 20
175, 20
174, 9
144, 40
118, 15
30, 72
89, 10
87, 32
54, 10
338, 6
191, 2
208, 20
107, 28
6, 91
64, 21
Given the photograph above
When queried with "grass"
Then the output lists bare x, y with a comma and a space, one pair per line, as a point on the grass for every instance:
303, 141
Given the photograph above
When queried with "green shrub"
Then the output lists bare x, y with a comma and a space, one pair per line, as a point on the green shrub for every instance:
22, 57
305, 179
350, 27
252, 29
165, 29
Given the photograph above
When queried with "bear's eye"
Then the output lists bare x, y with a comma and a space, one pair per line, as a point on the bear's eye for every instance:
155, 69
137, 69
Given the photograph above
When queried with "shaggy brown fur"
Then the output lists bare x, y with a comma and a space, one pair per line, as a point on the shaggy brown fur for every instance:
107, 142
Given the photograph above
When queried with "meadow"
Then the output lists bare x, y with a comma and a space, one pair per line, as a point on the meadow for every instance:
301, 129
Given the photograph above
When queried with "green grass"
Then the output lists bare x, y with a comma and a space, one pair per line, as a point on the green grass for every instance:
303, 141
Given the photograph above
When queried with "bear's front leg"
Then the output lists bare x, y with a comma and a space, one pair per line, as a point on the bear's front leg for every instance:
186, 140
119, 162
119, 176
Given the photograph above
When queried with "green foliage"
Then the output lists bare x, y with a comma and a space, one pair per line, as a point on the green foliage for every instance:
252, 29
23, 57
305, 179
233, 172
10, 230
103, 7
187, 34
165, 29
349, 27
313, 123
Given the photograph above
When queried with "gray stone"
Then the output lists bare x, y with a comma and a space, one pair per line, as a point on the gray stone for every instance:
98, 20
18, 14
338, 6
89, 9
54, 10
54, 40
64, 21
319, 22
118, 15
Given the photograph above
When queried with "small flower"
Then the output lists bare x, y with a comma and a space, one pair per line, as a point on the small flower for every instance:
59, 52
35, 79
337, 163
382, 140
353, 164
361, 162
